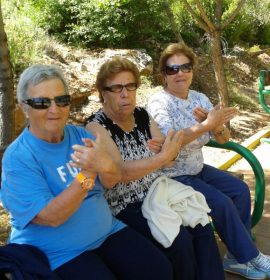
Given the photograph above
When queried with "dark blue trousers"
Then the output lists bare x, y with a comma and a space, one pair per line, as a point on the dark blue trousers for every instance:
230, 202
125, 255
193, 254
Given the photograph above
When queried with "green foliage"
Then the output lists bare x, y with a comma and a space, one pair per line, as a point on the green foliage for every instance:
254, 48
123, 24
249, 24
25, 40
114, 23
249, 27
264, 35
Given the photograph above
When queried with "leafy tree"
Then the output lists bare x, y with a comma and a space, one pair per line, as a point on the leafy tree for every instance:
7, 104
213, 19
105, 23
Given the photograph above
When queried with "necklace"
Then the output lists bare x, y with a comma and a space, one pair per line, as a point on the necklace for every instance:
127, 127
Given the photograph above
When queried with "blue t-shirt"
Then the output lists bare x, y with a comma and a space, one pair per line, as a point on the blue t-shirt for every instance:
35, 172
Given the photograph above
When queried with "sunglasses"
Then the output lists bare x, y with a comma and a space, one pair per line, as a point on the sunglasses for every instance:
174, 69
118, 87
45, 102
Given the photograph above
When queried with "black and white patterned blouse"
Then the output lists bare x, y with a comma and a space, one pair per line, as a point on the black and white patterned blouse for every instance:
132, 146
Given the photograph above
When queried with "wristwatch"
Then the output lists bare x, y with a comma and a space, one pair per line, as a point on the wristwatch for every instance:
87, 183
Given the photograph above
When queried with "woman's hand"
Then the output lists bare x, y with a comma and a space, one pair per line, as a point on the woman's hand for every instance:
200, 114
155, 144
91, 157
171, 147
94, 158
217, 117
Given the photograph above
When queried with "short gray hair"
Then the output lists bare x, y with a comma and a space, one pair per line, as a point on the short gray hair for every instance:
36, 74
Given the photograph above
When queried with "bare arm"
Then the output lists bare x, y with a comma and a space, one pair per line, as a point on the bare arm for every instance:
62, 207
211, 121
93, 159
136, 169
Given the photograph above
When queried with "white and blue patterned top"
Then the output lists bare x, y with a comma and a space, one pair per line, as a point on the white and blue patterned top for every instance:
169, 112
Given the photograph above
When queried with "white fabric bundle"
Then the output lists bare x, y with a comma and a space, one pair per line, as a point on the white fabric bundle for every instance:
170, 204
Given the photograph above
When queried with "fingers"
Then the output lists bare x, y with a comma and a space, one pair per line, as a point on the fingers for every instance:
174, 136
200, 114
154, 146
81, 153
218, 106
87, 142
230, 113
200, 111
172, 144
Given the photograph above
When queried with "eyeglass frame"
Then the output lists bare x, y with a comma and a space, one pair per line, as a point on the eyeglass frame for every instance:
184, 68
32, 101
121, 87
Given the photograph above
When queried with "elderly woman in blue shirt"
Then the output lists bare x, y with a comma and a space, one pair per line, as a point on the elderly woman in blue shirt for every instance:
52, 185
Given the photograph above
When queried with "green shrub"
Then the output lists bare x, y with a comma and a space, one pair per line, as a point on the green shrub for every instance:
114, 23
25, 40
264, 35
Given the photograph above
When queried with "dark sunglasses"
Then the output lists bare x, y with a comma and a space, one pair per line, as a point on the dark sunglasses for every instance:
118, 88
45, 102
174, 69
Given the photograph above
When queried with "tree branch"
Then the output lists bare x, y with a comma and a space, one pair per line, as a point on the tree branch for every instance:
195, 16
233, 14
204, 16
218, 12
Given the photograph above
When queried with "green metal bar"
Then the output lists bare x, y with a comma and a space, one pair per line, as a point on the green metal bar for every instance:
262, 91
257, 170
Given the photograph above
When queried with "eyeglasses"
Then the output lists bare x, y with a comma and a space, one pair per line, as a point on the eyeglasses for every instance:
118, 87
45, 102
174, 69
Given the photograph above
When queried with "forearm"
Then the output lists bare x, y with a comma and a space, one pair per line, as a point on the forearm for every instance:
195, 131
110, 175
137, 169
61, 207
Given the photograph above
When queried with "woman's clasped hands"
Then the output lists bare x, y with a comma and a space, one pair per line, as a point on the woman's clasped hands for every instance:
169, 146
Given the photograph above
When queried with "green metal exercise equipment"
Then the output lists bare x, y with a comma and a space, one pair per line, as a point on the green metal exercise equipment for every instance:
264, 88
257, 170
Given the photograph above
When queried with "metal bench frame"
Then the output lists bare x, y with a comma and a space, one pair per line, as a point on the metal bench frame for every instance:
264, 80
258, 172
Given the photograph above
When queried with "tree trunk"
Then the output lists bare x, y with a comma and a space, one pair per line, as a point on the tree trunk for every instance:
7, 104
219, 68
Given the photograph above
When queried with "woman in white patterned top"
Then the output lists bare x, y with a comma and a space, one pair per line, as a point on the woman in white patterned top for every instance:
180, 108
126, 131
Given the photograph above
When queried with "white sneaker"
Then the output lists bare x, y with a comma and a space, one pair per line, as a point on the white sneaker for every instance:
262, 263
246, 270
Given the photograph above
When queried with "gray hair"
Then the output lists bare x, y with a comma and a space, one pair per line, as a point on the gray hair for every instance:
36, 74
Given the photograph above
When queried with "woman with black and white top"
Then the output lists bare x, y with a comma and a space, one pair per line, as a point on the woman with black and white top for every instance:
126, 131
